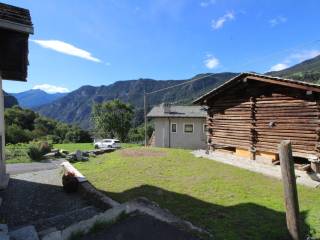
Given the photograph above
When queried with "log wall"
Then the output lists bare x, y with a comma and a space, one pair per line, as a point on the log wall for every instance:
258, 116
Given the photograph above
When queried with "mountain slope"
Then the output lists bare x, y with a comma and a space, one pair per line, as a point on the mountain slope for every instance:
9, 101
36, 97
308, 71
76, 106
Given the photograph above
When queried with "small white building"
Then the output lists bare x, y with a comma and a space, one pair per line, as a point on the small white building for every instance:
179, 126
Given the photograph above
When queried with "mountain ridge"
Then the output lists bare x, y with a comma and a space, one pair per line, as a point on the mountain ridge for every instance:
9, 100
36, 97
77, 104
75, 107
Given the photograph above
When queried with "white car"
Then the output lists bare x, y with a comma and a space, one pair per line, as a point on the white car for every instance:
107, 143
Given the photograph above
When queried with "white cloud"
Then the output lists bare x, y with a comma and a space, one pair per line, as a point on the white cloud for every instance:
294, 58
51, 88
66, 48
277, 20
211, 62
207, 3
217, 24
304, 55
278, 67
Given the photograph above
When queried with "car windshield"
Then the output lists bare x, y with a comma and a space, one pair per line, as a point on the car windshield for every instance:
106, 141
117, 141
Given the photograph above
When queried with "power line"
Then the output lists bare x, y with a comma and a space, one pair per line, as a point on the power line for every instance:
249, 62
181, 84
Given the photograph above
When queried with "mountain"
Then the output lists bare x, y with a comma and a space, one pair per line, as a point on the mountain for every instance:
308, 71
36, 97
9, 101
76, 106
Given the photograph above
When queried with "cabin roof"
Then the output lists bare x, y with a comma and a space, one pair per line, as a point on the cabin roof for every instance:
15, 18
258, 77
178, 111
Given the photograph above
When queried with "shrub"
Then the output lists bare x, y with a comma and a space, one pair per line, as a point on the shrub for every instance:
37, 150
35, 153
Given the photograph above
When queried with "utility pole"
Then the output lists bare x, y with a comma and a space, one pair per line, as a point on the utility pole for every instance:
145, 119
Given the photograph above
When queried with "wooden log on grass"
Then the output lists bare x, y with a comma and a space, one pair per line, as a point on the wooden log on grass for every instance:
290, 189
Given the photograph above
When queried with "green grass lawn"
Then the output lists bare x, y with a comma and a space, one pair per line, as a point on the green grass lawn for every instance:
17, 153
72, 147
231, 203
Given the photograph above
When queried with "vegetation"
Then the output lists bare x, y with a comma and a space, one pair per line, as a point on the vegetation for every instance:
24, 125
308, 71
231, 203
136, 135
17, 153
36, 151
112, 119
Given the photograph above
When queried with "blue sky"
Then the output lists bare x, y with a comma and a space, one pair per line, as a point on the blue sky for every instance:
98, 42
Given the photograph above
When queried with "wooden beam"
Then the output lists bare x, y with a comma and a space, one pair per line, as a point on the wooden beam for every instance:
284, 83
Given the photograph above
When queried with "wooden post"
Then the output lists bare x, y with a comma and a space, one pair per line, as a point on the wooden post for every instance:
145, 120
290, 189
4, 177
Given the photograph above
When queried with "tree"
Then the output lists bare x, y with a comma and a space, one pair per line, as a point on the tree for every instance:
112, 119
24, 125
136, 135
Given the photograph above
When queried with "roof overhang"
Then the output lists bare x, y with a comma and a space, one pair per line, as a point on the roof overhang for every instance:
16, 27
258, 77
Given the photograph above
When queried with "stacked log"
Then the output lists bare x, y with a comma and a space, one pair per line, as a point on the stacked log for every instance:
283, 117
230, 123
256, 121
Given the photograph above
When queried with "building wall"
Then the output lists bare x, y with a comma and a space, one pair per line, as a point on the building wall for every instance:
256, 115
165, 138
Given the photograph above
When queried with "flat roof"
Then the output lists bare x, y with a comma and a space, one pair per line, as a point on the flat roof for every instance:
178, 111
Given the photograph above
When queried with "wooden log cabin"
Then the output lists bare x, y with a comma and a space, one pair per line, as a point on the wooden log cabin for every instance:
251, 114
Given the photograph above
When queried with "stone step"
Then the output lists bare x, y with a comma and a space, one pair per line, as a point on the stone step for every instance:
64, 220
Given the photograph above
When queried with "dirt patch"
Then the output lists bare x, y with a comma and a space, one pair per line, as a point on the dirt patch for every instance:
143, 153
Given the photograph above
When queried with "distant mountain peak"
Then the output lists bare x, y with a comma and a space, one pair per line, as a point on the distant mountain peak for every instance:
36, 97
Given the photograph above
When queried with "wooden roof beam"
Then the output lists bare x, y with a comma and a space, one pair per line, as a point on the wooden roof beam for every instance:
284, 83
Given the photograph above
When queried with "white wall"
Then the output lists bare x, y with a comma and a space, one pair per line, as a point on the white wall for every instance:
180, 139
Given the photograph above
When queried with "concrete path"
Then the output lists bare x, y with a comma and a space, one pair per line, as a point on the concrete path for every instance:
303, 178
140, 227
33, 197
19, 168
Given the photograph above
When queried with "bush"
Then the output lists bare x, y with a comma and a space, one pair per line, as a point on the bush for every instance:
37, 151
15, 134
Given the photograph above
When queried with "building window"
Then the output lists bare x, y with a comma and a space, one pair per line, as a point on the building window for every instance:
188, 128
173, 127
205, 128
